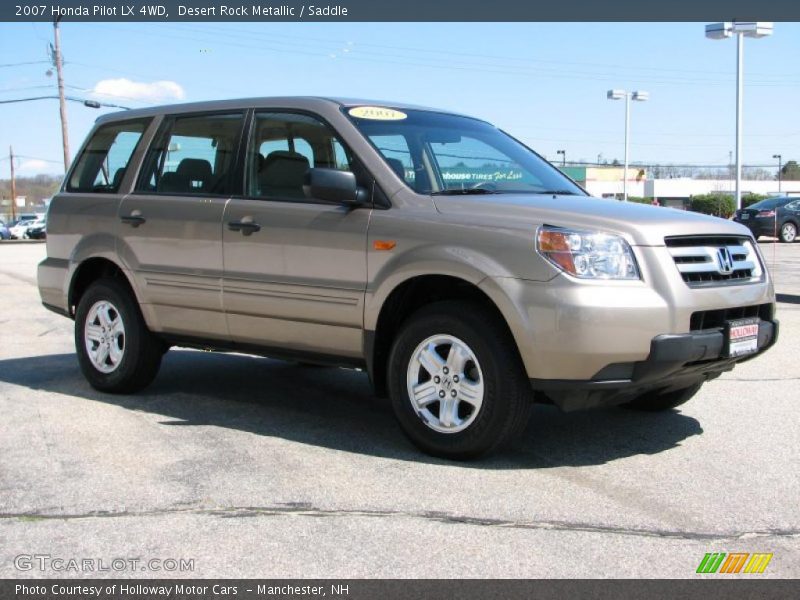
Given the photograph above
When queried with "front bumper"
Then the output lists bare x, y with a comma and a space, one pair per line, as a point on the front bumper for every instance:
675, 361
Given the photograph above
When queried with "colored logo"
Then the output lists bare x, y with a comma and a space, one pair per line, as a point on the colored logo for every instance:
735, 562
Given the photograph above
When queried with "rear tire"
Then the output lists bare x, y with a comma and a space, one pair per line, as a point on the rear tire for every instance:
472, 393
656, 400
116, 351
788, 233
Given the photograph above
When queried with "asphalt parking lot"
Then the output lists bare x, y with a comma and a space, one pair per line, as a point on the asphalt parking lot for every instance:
259, 468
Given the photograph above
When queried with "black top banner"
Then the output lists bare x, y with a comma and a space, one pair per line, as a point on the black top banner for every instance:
406, 10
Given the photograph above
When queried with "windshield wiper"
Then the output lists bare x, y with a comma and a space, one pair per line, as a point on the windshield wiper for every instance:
558, 193
464, 192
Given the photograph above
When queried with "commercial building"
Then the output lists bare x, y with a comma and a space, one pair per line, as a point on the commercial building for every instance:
607, 182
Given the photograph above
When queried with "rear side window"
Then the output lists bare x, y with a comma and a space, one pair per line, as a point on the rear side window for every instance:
193, 155
104, 160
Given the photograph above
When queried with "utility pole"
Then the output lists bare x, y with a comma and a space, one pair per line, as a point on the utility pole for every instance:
59, 63
13, 185
780, 168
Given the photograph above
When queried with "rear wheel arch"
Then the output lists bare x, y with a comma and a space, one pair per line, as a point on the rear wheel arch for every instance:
89, 271
404, 300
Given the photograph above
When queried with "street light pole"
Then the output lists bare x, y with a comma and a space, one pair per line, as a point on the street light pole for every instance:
639, 96
721, 31
780, 168
627, 145
739, 98
563, 154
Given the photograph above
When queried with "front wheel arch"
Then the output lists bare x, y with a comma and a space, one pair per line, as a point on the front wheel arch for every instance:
403, 301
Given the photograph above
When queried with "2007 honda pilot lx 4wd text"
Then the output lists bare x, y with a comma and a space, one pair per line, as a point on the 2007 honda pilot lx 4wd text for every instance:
468, 276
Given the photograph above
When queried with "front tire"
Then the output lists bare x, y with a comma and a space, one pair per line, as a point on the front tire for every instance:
788, 233
657, 401
457, 383
116, 351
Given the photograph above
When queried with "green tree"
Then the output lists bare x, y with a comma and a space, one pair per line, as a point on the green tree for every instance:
719, 204
751, 198
35, 188
791, 171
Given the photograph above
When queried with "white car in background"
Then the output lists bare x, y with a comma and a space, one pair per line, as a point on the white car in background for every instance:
20, 230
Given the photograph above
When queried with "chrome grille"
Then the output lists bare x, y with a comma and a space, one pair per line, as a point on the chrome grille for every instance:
705, 261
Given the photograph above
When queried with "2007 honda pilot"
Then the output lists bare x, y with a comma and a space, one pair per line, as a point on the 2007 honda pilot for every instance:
467, 275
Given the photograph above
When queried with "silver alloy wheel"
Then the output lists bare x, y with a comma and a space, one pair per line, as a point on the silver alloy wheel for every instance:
104, 336
445, 383
788, 232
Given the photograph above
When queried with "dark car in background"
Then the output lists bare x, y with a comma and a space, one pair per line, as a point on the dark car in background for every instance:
775, 217
37, 230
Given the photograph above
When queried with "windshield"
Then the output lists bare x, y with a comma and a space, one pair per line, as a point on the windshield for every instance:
442, 154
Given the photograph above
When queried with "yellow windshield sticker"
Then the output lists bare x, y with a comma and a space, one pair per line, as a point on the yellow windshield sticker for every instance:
377, 113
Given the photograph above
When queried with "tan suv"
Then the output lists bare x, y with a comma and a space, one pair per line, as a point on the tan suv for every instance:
462, 271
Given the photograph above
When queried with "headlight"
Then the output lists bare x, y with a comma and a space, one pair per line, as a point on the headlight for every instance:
587, 254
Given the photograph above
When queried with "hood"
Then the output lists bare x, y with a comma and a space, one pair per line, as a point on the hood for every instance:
640, 224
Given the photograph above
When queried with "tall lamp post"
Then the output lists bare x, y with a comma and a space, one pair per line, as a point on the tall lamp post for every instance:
780, 167
638, 96
563, 154
721, 31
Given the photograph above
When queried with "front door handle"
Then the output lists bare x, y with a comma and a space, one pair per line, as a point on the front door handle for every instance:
134, 219
246, 226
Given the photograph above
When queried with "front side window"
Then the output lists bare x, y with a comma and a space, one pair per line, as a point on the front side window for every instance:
438, 153
282, 148
194, 155
105, 158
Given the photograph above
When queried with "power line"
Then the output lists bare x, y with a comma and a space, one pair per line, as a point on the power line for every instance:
27, 157
15, 100
110, 95
25, 88
85, 102
20, 64
214, 30
351, 53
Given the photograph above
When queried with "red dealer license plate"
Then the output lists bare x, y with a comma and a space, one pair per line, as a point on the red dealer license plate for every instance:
742, 336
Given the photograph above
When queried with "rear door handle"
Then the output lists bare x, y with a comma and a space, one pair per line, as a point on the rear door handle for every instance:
134, 219
247, 227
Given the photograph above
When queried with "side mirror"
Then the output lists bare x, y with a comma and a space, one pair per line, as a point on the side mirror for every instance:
332, 185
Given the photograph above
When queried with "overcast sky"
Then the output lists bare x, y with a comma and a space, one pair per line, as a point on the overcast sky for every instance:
544, 83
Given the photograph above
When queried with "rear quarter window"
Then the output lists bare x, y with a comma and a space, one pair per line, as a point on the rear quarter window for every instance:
104, 161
